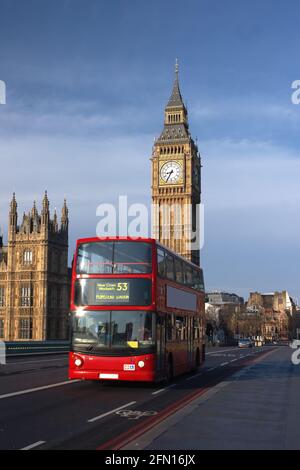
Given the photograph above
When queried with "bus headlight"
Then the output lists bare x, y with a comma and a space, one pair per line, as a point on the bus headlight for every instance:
141, 364
78, 362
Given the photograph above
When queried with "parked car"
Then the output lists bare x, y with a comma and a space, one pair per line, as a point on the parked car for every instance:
245, 343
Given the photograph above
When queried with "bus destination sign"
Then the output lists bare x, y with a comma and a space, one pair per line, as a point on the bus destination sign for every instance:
112, 292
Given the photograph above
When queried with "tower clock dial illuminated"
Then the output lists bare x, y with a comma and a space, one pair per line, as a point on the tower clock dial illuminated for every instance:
171, 172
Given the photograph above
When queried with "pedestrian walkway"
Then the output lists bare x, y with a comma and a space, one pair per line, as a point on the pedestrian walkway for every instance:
257, 408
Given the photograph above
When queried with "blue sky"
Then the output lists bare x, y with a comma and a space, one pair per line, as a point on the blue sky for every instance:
87, 82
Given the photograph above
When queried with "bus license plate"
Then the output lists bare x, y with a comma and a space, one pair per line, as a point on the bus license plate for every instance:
129, 367
109, 376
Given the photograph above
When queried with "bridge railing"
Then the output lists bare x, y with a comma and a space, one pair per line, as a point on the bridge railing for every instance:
28, 348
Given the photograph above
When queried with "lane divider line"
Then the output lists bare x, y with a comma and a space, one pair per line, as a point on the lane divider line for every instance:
37, 389
92, 420
32, 446
163, 389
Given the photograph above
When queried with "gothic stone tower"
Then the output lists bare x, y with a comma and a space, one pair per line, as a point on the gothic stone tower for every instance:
176, 181
35, 296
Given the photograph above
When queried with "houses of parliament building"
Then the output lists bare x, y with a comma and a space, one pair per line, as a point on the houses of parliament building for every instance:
34, 285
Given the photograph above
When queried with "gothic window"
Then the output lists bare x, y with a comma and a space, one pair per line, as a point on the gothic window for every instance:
1, 328
25, 328
27, 257
2, 296
26, 296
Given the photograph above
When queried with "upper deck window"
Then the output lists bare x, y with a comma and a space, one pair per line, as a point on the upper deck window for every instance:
118, 257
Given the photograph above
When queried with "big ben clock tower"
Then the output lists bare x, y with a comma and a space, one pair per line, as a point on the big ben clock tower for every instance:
176, 181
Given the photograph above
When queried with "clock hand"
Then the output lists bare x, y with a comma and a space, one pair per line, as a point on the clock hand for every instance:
170, 172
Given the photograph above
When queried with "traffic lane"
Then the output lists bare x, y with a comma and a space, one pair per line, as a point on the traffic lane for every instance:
25, 364
229, 355
137, 417
61, 410
55, 413
36, 373
258, 409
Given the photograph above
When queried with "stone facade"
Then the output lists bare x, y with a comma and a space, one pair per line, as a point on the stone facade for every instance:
176, 181
275, 310
34, 282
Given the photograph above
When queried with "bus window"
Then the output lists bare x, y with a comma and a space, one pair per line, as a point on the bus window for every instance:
161, 262
180, 328
196, 328
189, 276
169, 328
132, 258
196, 279
94, 258
178, 270
170, 267
201, 284
114, 258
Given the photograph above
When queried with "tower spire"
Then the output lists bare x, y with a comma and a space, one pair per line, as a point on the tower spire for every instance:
45, 211
176, 98
65, 216
13, 214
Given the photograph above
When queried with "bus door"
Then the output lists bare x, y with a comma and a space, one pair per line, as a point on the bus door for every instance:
160, 343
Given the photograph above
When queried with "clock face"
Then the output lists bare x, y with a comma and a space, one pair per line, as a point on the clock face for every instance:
171, 172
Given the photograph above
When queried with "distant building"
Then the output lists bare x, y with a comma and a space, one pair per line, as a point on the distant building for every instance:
221, 309
34, 285
222, 298
276, 310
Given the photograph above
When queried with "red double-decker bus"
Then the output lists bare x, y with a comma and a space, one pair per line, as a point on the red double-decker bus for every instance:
137, 311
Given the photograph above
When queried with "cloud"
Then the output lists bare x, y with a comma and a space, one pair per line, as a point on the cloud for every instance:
249, 108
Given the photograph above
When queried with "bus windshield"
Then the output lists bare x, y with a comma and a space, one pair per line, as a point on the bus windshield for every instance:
110, 332
117, 257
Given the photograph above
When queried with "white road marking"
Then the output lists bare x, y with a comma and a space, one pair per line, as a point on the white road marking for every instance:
212, 368
233, 360
163, 389
220, 351
35, 444
224, 364
37, 389
110, 412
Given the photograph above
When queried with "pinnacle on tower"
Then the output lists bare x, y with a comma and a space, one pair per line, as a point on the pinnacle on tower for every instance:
13, 214
34, 210
65, 215
13, 204
55, 223
176, 98
45, 211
